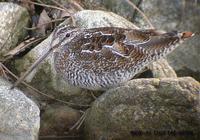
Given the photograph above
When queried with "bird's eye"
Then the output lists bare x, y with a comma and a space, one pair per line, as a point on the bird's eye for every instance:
67, 35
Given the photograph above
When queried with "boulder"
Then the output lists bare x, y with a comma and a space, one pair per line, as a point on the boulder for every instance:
98, 18
159, 69
57, 120
167, 108
20, 117
13, 20
120, 7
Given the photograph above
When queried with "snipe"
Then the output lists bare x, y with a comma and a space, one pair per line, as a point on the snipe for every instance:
101, 58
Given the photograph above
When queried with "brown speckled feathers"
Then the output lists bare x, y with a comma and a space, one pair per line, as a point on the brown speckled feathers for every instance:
101, 58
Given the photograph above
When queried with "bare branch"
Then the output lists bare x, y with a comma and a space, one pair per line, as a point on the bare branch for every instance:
143, 15
45, 5
39, 25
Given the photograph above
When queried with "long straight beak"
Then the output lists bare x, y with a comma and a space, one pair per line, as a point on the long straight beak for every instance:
34, 65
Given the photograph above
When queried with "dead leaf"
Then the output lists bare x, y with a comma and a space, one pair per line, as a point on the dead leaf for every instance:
22, 47
44, 23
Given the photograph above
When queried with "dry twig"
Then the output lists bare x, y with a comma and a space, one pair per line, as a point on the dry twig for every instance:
143, 15
80, 121
39, 25
77, 5
46, 5
23, 46
58, 4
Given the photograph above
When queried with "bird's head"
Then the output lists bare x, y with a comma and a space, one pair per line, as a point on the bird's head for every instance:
62, 35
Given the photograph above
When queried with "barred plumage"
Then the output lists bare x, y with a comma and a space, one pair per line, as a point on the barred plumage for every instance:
106, 57
101, 58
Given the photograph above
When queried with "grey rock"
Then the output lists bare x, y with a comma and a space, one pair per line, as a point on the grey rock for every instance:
13, 20
161, 69
157, 69
20, 117
97, 18
50, 81
177, 15
120, 7
57, 120
153, 107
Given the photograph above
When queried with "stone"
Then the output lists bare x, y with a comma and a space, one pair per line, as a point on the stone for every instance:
167, 108
177, 15
120, 7
162, 69
13, 20
57, 120
20, 117
98, 18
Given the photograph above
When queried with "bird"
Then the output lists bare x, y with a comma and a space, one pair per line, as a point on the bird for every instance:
106, 57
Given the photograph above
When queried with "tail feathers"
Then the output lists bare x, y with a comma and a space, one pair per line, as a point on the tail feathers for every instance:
165, 43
